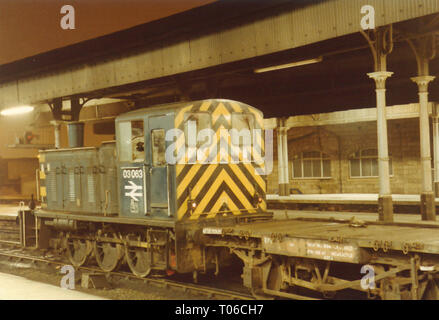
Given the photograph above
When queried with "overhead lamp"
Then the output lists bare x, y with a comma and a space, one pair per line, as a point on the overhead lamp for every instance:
16, 111
289, 65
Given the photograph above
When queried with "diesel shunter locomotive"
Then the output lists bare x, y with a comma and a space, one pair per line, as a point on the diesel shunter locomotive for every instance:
145, 197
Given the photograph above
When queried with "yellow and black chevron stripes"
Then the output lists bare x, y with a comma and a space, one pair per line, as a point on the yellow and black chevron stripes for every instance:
221, 116
216, 186
212, 186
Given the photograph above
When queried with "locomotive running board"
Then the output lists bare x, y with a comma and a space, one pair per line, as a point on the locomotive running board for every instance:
77, 217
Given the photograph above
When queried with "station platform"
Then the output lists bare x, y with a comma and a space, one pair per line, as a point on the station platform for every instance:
17, 288
355, 202
398, 219
360, 198
8, 212
4, 199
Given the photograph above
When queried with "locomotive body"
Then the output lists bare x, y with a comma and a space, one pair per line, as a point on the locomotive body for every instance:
145, 197
82, 180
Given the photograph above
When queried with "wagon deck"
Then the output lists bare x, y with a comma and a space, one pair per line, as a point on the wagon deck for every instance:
340, 239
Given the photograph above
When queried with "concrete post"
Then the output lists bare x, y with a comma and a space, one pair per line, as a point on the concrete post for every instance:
280, 161
385, 204
286, 162
427, 195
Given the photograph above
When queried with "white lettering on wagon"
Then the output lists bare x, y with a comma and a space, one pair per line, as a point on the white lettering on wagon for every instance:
329, 251
312, 249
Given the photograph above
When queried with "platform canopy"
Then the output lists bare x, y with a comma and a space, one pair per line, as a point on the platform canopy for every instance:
214, 51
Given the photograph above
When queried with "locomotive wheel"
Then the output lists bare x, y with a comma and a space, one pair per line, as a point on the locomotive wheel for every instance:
138, 260
108, 255
78, 251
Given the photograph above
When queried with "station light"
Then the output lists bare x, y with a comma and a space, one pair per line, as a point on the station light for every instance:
16, 111
289, 65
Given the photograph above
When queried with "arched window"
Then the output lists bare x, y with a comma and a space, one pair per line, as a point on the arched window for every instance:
314, 165
364, 163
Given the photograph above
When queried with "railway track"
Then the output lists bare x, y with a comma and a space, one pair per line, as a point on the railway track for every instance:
9, 230
16, 254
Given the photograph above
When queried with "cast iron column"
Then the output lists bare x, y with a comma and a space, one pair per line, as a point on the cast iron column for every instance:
436, 149
385, 204
286, 162
427, 195
280, 160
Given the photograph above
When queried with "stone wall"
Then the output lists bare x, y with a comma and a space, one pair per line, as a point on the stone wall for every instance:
340, 142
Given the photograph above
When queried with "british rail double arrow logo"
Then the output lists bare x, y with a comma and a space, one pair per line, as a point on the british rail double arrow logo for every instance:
133, 188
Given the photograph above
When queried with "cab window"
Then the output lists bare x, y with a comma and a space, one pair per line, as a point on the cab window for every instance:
158, 146
132, 141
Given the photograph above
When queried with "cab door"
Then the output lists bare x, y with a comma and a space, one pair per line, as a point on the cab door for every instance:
131, 167
159, 171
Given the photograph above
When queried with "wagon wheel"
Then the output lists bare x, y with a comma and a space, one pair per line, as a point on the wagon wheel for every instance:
78, 251
274, 282
139, 260
108, 255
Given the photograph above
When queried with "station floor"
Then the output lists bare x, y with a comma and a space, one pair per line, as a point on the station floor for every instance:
398, 218
352, 198
17, 288
9, 210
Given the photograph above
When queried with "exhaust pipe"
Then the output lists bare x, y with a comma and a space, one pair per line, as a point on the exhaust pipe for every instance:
75, 132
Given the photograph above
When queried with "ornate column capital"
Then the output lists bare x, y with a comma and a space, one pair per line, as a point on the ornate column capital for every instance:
422, 82
380, 78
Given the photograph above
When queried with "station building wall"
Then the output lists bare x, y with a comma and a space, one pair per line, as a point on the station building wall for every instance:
340, 143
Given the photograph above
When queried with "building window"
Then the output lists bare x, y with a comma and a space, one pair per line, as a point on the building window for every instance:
314, 165
364, 163
158, 145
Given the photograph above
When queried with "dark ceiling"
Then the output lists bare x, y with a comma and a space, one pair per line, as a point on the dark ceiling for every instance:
339, 82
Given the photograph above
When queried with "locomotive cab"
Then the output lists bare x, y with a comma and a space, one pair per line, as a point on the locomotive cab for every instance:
145, 178
181, 161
